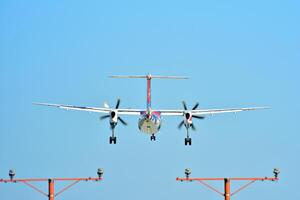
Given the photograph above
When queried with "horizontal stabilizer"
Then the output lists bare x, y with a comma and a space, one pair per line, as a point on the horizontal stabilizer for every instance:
149, 76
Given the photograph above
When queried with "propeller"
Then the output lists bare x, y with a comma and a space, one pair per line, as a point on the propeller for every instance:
118, 103
198, 117
193, 116
180, 124
122, 121
104, 117
193, 127
113, 113
195, 106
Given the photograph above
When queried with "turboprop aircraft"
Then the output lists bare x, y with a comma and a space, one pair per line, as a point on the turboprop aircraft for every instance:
150, 119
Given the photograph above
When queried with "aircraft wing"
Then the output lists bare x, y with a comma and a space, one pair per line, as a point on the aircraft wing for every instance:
93, 109
203, 112
226, 110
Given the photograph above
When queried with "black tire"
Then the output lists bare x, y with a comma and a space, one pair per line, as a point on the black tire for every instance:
185, 141
115, 140
190, 141
110, 140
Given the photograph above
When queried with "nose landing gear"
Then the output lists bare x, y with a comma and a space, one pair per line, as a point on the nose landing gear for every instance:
152, 137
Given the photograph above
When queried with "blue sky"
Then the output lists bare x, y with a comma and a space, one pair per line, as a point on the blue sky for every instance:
235, 53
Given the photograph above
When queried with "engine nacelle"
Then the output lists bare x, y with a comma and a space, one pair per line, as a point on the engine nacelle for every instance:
187, 118
113, 116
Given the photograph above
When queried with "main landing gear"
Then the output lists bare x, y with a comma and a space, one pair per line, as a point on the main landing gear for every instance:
113, 138
152, 137
187, 140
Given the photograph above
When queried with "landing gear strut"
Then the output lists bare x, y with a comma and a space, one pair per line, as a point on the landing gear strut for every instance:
113, 138
187, 140
152, 137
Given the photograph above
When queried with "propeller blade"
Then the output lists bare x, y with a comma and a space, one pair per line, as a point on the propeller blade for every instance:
180, 124
118, 103
184, 105
122, 121
104, 117
105, 104
198, 117
195, 106
193, 127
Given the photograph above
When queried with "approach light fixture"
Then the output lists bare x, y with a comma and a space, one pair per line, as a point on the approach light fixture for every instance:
11, 174
276, 172
100, 172
187, 172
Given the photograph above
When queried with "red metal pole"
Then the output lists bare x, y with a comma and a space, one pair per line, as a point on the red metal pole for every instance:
51, 189
227, 189
227, 194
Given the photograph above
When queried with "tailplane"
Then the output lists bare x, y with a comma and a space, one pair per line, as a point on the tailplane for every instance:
149, 77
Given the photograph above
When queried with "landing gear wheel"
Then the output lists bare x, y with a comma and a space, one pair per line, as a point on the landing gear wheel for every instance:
112, 140
152, 137
188, 141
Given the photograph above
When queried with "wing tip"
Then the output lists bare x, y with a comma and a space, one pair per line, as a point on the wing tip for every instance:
36, 103
263, 107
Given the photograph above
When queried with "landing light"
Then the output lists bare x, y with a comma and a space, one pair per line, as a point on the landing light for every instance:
187, 172
11, 174
276, 172
100, 172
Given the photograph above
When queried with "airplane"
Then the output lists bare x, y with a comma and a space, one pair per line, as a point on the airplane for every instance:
150, 119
